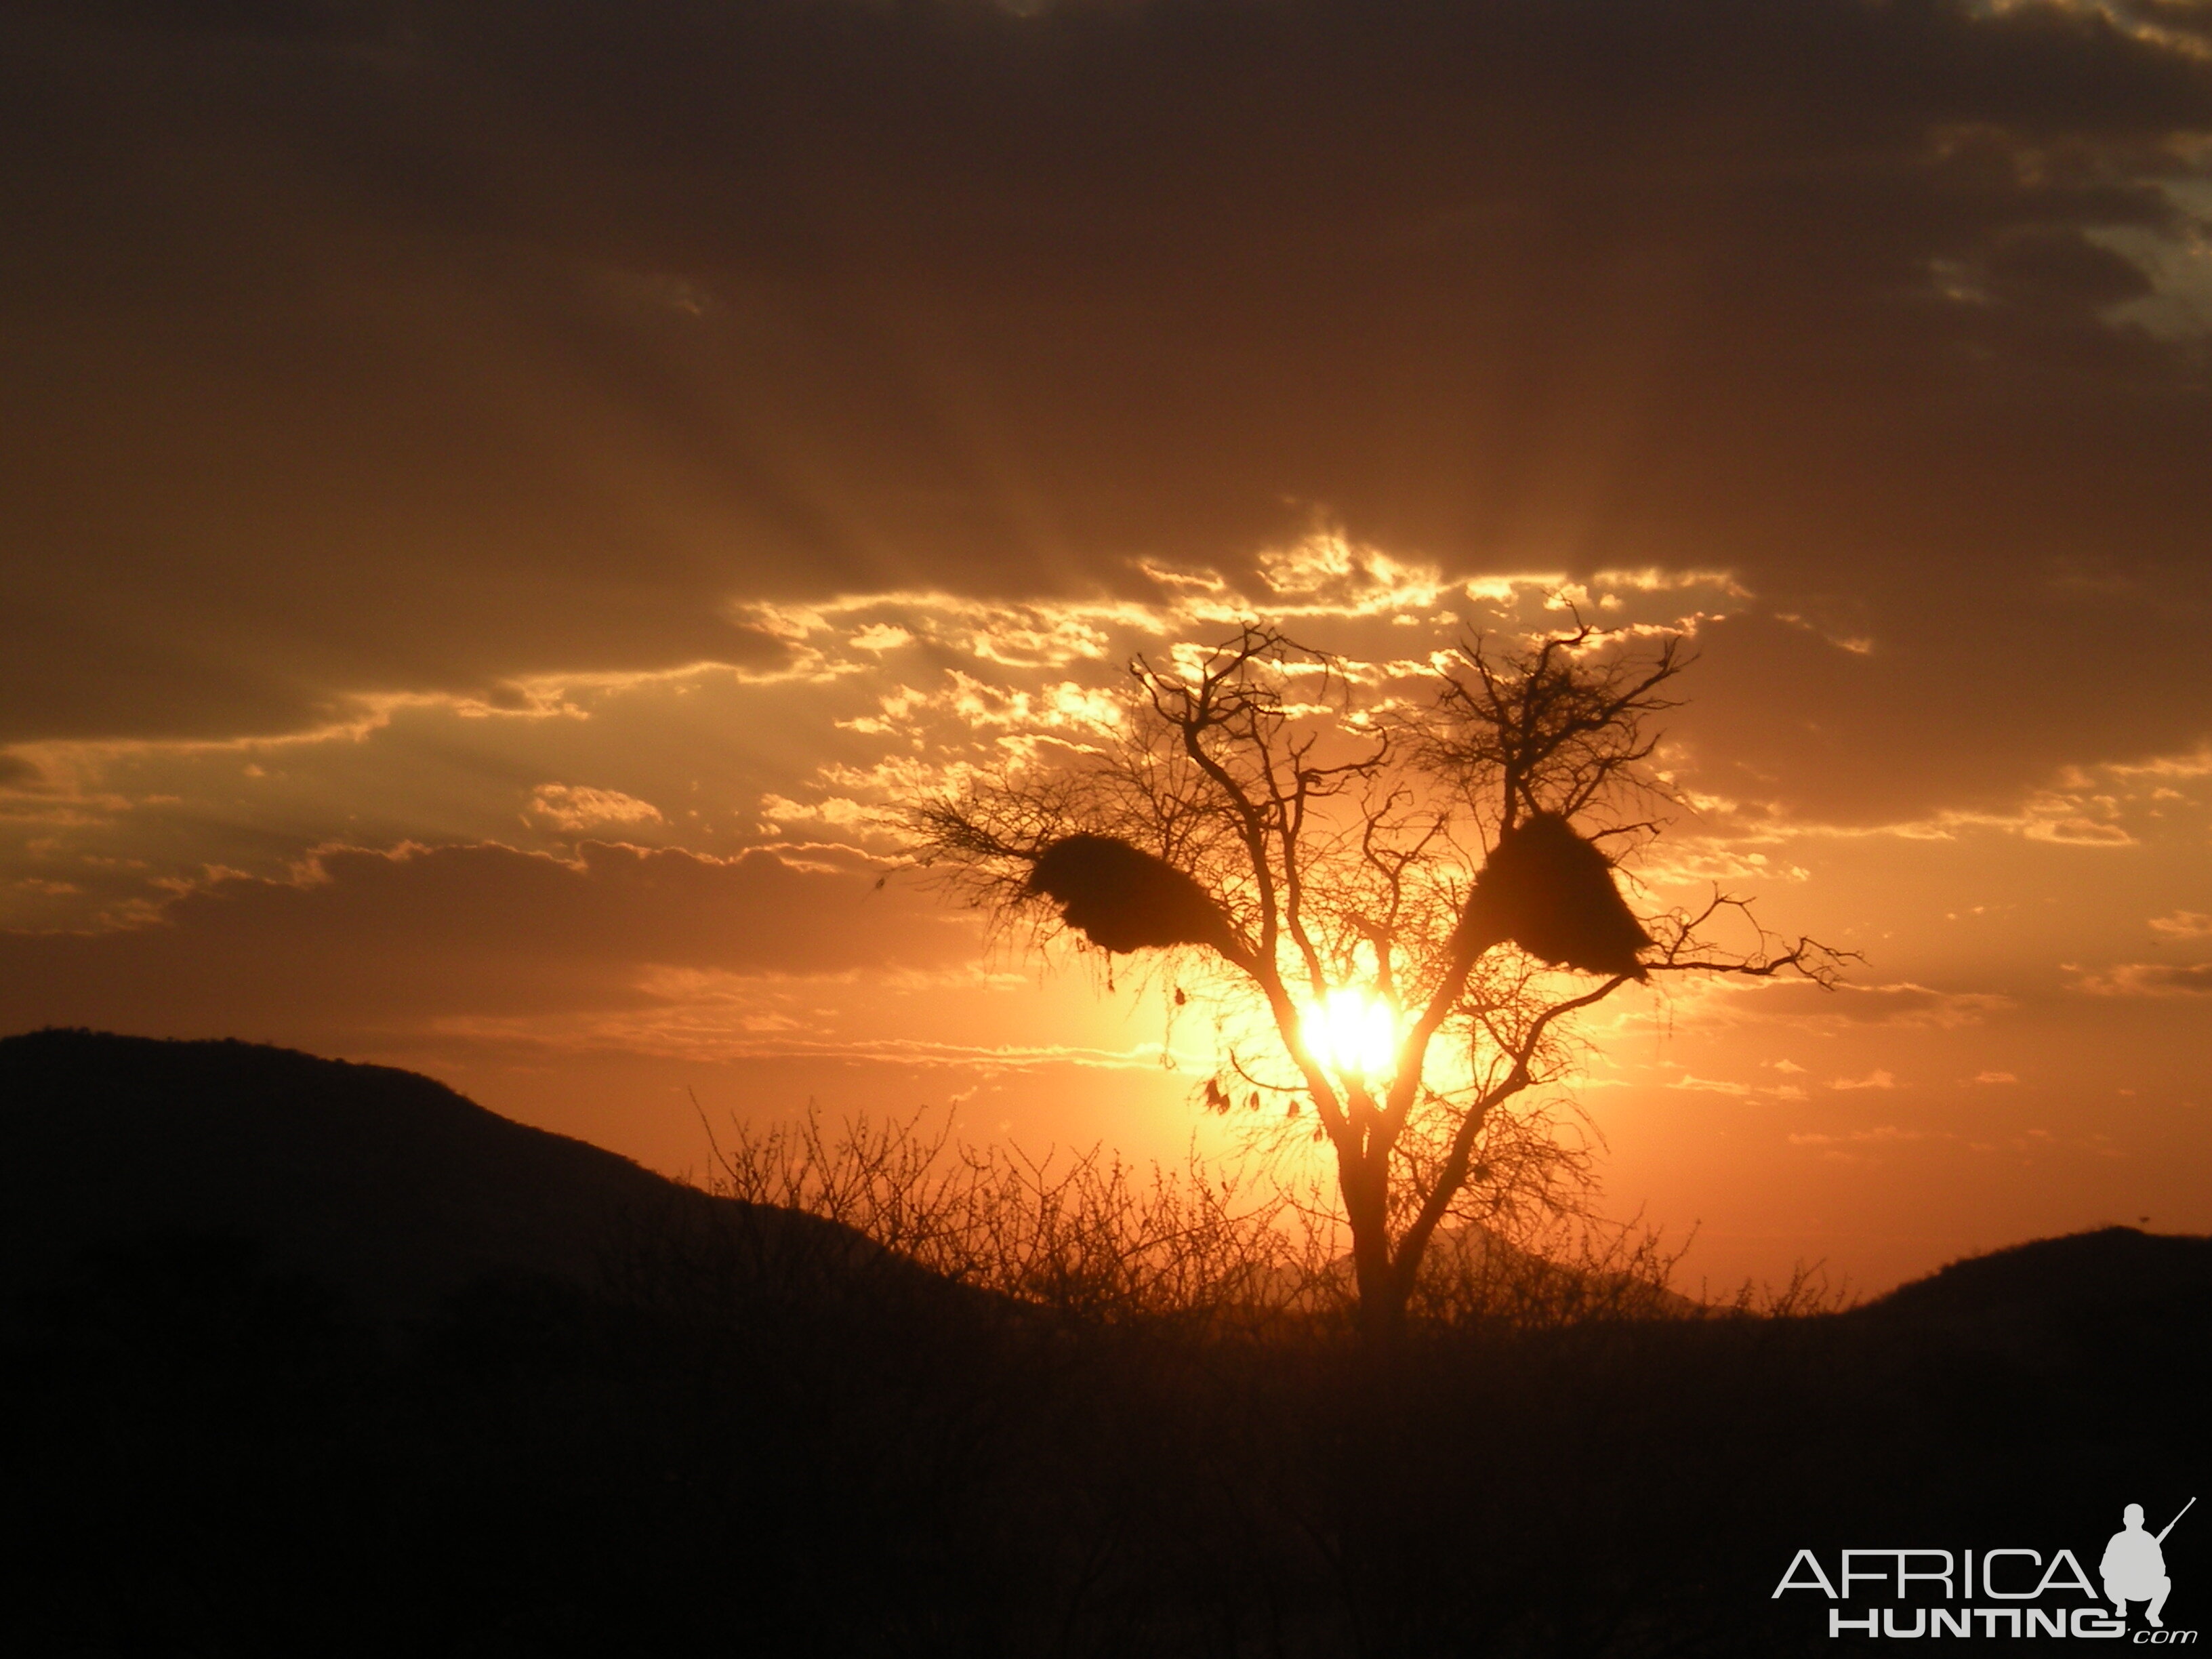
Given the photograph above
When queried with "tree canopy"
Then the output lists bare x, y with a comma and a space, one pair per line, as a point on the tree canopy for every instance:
1410, 872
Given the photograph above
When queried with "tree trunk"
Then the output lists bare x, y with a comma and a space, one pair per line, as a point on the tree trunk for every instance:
1381, 1296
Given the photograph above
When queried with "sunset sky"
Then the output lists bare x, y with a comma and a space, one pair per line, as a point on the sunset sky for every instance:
500, 497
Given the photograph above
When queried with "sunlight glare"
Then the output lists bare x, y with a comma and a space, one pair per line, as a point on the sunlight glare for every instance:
1355, 1034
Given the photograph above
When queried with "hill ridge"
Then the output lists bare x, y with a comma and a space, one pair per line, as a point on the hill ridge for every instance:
397, 1187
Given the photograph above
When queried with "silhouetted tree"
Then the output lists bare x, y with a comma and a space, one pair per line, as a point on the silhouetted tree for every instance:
1407, 875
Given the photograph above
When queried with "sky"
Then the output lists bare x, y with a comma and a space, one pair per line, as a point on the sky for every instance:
500, 499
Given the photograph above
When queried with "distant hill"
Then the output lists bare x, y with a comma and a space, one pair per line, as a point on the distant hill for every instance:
382, 1181
2062, 1301
2112, 1265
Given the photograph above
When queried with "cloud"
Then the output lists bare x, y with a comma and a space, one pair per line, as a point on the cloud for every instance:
1690, 1082
687, 1032
1709, 1085
397, 939
571, 336
576, 806
1800, 1003
1863, 1145
1876, 1079
823, 727
2149, 979
1993, 1077
2183, 924
2080, 832
2173, 299
1880, 1133
1938, 729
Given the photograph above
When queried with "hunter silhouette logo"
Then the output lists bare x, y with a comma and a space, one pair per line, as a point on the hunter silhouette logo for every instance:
2009, 1592
2134, 1568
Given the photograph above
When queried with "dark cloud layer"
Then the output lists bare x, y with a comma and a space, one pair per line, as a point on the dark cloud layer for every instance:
1961, 713
367, 345
379, 941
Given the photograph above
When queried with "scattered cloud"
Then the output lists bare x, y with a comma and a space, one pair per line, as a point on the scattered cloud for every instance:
2149, 979
1882, 1133
1802, 1004
1709, 1085
576, 807
1689, 1082
2174, 301
2183, 924
1875, 1079
1865, 1146
417, 933
2077, 831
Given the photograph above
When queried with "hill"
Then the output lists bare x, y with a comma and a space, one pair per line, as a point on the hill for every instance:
383, 1183
2112, 1268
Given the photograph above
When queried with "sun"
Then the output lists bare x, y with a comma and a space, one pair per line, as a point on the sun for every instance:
1355, 1034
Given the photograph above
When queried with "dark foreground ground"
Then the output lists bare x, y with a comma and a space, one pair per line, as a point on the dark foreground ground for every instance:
238, 1414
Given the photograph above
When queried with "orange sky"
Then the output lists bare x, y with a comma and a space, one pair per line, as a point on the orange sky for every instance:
503, 503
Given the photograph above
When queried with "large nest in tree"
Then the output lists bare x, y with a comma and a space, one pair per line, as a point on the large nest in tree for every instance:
1552, 893
1123, 898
